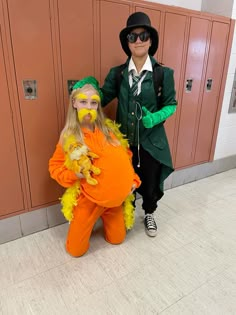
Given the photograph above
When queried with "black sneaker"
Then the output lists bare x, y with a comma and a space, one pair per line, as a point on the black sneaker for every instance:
150, 225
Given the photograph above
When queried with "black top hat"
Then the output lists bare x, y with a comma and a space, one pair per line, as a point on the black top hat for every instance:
135, 20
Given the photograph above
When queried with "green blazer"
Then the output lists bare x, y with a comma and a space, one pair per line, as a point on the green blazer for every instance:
153, 140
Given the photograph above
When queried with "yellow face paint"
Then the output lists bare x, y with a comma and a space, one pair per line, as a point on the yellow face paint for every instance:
81, 96
96, 98
84, 112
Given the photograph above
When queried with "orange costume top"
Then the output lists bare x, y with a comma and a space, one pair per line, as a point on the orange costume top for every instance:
117, 174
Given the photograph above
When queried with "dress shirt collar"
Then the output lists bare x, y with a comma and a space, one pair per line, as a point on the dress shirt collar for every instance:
147, 66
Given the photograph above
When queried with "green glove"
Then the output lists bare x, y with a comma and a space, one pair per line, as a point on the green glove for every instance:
152, 119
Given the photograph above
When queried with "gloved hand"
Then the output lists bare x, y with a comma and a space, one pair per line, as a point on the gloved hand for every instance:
150, 119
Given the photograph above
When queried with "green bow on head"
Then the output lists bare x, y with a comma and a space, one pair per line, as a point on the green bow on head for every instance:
88, 80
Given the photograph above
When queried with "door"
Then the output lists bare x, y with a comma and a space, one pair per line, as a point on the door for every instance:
213, 79
76, 30
30, 28
194, 74
174, 56
111, 51
10, 185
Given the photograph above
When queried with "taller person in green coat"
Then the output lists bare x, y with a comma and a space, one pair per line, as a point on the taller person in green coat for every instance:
142, 112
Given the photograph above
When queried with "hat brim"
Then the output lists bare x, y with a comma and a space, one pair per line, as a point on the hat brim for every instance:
154, 37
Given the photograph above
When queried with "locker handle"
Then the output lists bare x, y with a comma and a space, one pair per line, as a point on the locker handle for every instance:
209, 84
188, 85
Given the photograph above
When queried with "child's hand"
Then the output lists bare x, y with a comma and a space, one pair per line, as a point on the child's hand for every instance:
80, 175
133, 189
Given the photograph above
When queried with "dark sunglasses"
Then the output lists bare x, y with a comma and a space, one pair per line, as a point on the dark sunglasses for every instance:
132, 37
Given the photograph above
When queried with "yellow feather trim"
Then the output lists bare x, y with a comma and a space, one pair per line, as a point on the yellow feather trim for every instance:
70, 196
115, 129
69, 200
129, 212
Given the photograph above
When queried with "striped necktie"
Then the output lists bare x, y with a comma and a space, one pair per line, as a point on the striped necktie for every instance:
136, 80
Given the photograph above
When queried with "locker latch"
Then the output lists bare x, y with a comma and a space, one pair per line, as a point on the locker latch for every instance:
188, 86
30, 89
209, 85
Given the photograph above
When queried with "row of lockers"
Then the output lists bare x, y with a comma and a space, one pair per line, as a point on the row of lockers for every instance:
46, 45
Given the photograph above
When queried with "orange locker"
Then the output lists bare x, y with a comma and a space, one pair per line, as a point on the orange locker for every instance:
213, 80
173, 56
31, 36
111, 53
77, 45
110, 27
194, 74
10, 185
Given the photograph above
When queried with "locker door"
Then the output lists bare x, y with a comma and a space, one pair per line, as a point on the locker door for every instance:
173, 55
111, 51
10, 184
110, 27
211, 92
197, 46
33, 56
76, 23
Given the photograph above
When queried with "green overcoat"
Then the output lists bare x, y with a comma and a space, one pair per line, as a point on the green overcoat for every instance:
129, 113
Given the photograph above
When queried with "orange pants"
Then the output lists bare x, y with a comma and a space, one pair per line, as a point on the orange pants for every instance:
86, 213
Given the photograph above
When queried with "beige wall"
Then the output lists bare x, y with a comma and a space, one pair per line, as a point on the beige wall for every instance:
192, 5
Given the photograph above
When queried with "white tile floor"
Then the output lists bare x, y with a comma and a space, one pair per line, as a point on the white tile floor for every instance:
189, 268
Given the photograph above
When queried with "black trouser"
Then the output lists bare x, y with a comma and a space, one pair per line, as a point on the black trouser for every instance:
149, 173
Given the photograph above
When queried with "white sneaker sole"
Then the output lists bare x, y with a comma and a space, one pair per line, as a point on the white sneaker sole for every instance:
151, 233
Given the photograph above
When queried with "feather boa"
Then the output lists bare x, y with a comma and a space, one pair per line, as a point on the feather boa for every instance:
69, 200
70, 197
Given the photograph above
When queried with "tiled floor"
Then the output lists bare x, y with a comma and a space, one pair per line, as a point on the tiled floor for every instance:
189, 268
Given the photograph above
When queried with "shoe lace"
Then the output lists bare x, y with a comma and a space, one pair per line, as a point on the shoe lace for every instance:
150, 222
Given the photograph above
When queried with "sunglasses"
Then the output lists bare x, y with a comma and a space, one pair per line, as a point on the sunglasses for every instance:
132, 37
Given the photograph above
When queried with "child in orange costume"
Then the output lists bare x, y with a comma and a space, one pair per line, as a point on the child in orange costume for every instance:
86, 121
